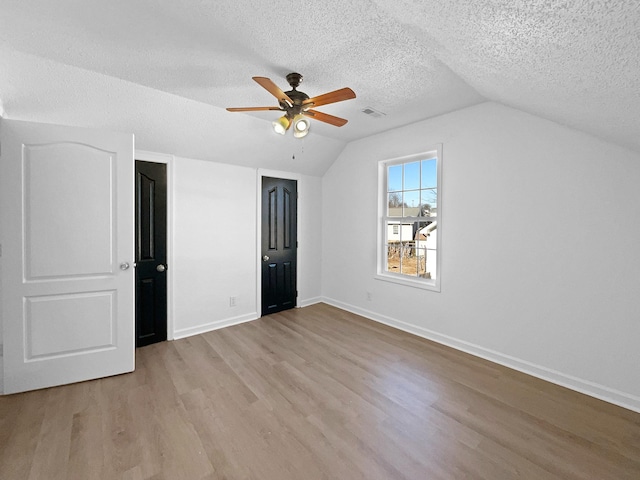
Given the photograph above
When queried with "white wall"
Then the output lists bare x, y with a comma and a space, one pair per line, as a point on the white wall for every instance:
527, 207
309, 240
214, 244
213, 232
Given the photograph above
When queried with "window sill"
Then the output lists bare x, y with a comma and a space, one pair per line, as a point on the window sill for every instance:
423, 284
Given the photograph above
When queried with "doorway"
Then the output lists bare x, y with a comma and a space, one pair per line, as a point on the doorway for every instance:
279, 244
151, 252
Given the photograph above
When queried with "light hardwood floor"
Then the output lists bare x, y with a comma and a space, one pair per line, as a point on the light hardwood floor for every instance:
314, 393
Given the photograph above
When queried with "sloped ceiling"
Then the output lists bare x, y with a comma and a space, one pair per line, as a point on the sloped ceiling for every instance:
166, 70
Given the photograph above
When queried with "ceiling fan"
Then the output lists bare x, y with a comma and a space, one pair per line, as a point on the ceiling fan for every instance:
298, 107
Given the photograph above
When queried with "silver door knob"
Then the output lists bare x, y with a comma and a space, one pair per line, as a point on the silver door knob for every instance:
161, 268
265, 258
124, 266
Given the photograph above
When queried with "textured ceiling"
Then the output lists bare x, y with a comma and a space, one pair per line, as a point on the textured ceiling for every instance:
575, 62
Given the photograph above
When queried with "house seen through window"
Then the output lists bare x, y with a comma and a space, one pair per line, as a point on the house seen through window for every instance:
410, 237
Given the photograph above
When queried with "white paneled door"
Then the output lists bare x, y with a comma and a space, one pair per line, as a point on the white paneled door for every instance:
66, 206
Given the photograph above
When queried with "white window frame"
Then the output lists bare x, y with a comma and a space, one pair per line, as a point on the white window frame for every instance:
381, 268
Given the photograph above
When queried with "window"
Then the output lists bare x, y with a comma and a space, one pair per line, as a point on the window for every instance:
410, 220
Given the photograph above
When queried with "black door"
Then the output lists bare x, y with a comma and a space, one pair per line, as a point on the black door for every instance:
151, 253
279, 244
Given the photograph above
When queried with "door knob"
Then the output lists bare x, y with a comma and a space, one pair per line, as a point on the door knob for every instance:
161, 268
265, 258
124, 266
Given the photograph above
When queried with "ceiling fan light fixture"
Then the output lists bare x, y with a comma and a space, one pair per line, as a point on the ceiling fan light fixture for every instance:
281, 125
298, 106
301, 126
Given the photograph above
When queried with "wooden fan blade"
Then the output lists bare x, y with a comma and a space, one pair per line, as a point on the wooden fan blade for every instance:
252, 109
273, 89
331, 97
325, 117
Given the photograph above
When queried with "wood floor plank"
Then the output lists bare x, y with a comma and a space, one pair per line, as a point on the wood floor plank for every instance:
22, 417
314, 393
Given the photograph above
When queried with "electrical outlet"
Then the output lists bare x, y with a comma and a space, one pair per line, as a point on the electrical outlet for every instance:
233, 301
369, 296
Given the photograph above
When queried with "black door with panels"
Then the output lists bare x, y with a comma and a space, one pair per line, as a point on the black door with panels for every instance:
151, 253
279, 244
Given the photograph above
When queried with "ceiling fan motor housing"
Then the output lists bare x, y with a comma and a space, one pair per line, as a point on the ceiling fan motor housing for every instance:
297, 98
294, 79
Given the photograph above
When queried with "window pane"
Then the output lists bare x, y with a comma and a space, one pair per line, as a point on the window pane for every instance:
394, 178
429, 173
393, 257
393, 232
412, 261
406, 232
407, 265
411, 203
394, 204
411, 249
429, 202
412, 176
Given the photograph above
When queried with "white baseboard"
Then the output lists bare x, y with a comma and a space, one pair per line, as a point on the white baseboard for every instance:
207, 327
227, 322
309, 301
592, 389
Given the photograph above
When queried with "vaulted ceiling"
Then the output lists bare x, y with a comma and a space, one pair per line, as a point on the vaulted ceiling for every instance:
166, 70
